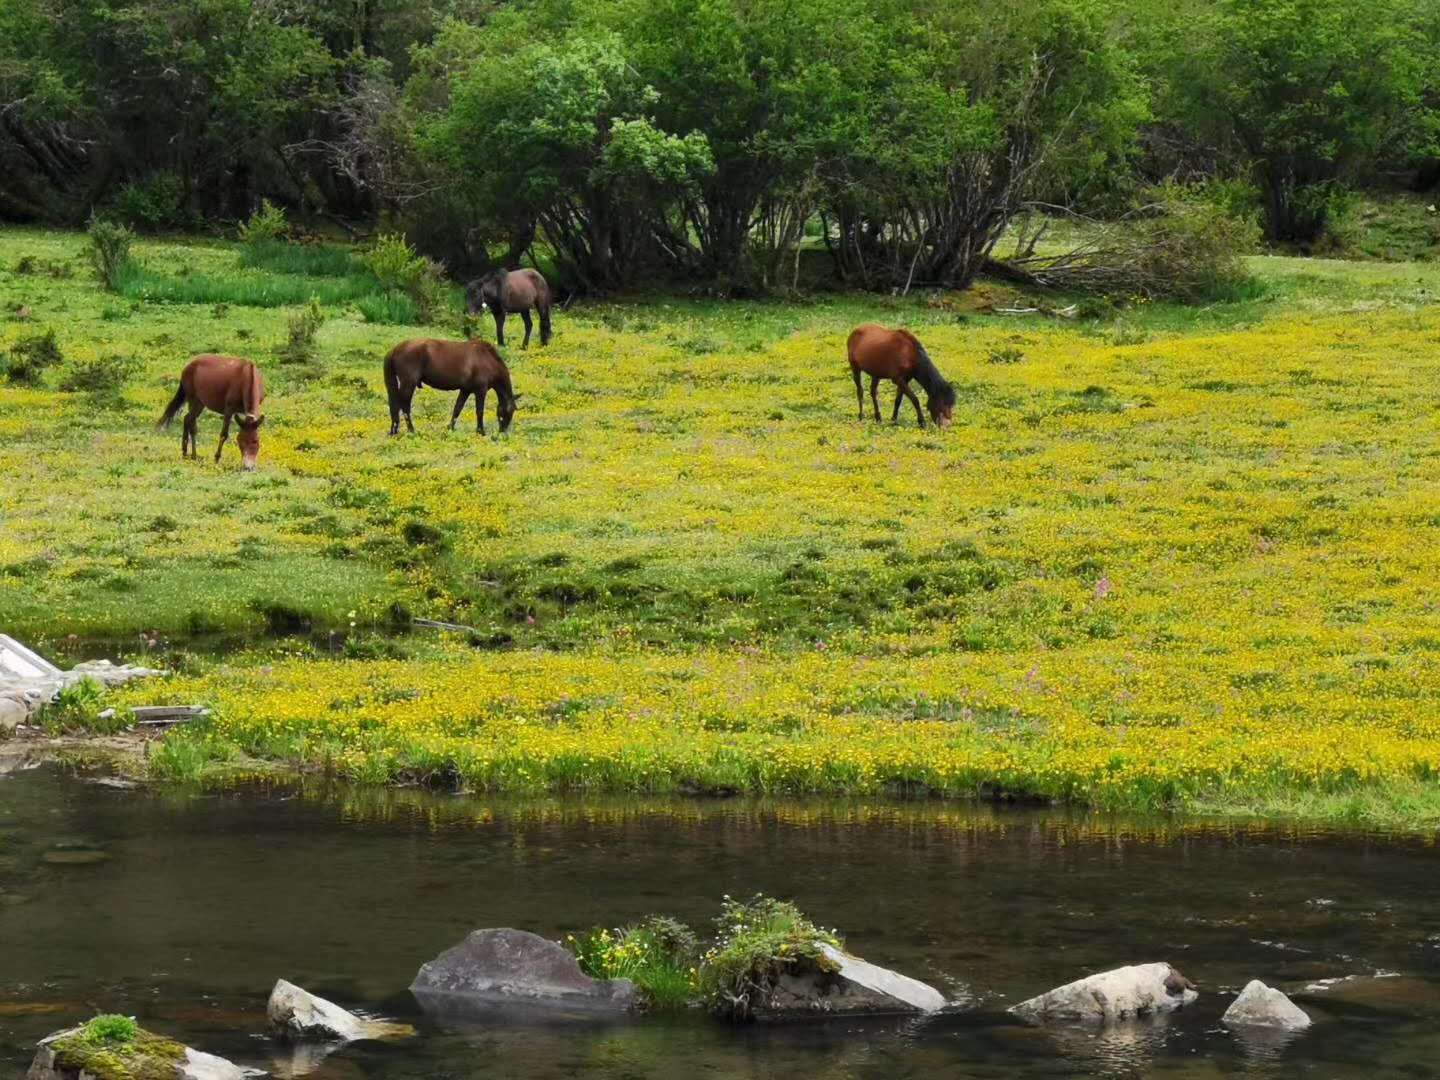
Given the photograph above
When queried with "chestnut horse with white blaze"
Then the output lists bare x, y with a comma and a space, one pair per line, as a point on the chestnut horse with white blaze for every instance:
472, 367
897, 355
229, 386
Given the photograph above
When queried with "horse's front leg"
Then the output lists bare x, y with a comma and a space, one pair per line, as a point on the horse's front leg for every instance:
919, 416
459, 404
525, 315
499, 314
224, 435
480, 409
899, 397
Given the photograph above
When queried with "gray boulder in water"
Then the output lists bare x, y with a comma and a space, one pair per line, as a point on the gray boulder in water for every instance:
841, 984
66, 1056
1263, 1006
1127, 992
297, 1014
515, 966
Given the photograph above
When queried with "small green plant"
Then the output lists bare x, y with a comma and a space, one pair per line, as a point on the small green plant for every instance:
1009, 354
401, 271
103, 378
74, 706
28, 359
266, 225
109, 1029
185, 755
660, 956
299, 347
755, 941
108, 245
389, 309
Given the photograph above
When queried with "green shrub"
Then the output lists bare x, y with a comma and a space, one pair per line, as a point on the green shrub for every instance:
109, 250
102, 378
75, 706
299, 348
28, 358
660, 956
266, 225
401, 271
755, 941
157, 202
109, 1028
389, 309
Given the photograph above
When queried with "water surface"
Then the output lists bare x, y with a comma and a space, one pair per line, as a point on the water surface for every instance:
183, 909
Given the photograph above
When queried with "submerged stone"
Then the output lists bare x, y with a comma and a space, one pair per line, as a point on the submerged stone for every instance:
1121, 994
298, 1014
69, 1055
504, 965
839, 984
1263, 1006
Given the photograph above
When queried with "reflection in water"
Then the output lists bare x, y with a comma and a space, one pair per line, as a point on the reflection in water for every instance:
201, 902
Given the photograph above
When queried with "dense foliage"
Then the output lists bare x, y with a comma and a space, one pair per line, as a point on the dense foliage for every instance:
623, 140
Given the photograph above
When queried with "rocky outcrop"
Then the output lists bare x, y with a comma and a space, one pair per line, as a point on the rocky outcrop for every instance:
66, 1056
28, 681
844, 985
1263, 1006
296, 1014
1127, 992
515, 966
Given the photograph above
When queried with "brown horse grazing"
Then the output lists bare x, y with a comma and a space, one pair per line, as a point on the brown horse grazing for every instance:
472, 367
229, 386
898, 355
513, 291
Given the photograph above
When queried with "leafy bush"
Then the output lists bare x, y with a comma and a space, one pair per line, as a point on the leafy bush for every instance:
389, 309
157, 202
401, 271
109, 250
74, 706
660, 956
755, 941
109, 1028
299, 348
103, 377
266, 225
29, 357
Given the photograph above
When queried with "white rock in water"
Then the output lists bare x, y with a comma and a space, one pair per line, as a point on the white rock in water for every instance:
1126, 992
878, 980
1263, 1006
199, 1065
299, 1014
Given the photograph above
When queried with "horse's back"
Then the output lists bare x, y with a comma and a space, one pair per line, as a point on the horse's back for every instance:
224, 383
444, 364
880, 350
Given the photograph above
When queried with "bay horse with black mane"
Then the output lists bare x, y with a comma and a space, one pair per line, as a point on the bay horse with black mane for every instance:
515, 292
897, 355
229, 386
471, 367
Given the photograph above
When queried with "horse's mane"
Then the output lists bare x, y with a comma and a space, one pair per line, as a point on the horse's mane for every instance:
937, 389
252, 391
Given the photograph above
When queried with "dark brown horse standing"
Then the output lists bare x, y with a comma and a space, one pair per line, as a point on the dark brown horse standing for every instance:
515, 292
472, 367
897, 355
229, 386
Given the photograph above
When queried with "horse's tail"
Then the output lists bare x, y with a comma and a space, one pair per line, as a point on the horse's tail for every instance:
392, 377
174, 407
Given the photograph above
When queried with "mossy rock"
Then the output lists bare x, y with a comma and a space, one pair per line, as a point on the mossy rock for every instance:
81, 1054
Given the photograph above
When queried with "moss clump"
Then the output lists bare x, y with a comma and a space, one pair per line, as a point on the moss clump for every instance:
116, 1048
756, 942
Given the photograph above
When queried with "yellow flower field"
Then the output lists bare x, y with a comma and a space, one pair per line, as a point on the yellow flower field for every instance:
1163, 558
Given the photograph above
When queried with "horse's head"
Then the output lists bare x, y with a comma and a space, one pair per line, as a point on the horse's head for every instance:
507, 411
249, 438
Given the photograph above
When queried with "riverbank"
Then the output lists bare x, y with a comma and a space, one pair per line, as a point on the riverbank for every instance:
1167, 558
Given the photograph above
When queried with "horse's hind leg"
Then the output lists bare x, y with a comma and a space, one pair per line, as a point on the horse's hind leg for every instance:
224, 435
394, 396
191, 429
859, 391
408, 403
459, 404
899, 397
874, 398
525, 315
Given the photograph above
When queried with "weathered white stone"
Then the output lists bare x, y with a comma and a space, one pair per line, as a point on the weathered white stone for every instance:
298, 1014
1123, 993
503, 965
49, 1064
1263, 1006
199, 1065
28, 681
